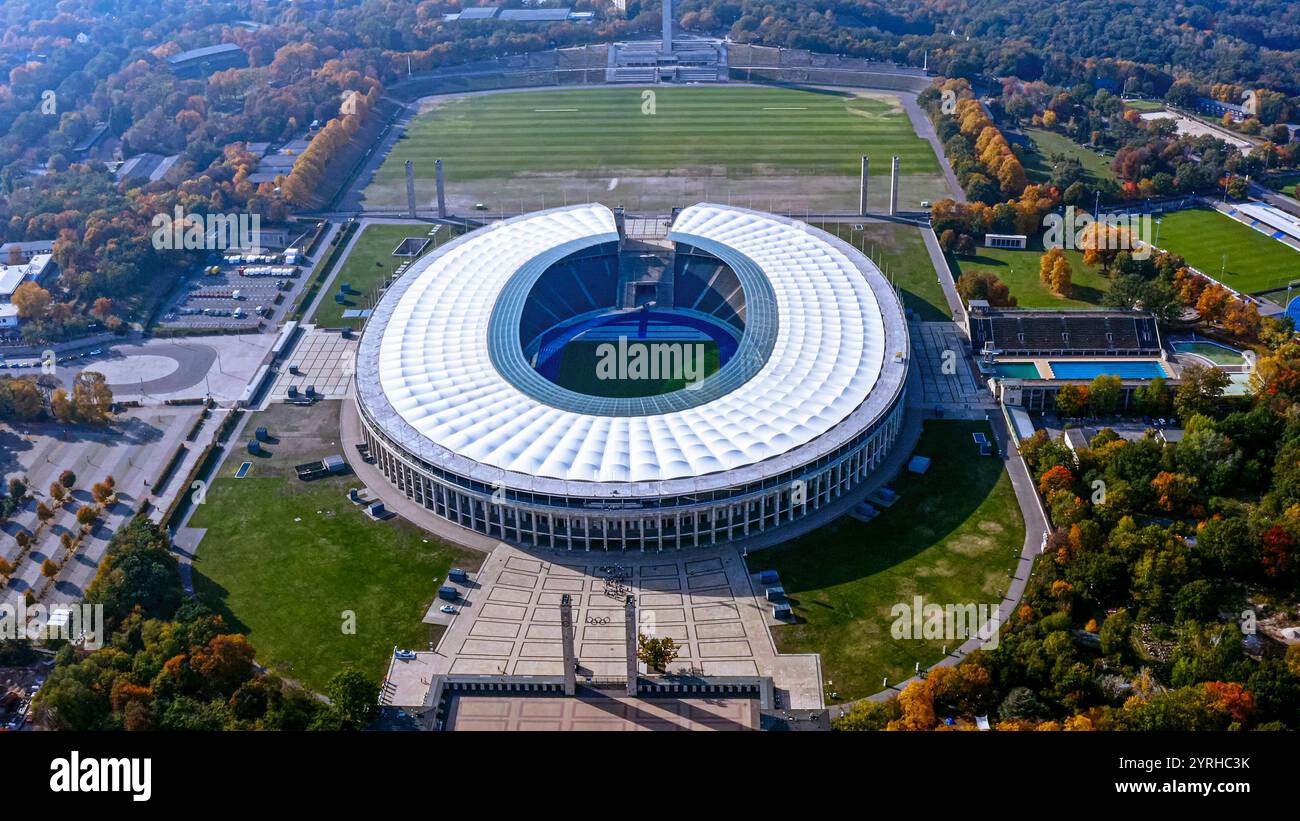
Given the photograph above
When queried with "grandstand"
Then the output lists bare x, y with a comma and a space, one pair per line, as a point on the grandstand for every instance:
705, 284
1012, 332
1267, 219
582, 283
690, 61
764, 63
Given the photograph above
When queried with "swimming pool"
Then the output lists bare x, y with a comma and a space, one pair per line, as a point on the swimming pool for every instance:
1216, 353
1090, 368
1017, 370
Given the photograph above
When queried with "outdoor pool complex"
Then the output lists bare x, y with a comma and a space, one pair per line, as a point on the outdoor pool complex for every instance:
1091, 368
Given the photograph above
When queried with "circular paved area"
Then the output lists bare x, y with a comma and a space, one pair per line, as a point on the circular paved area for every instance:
153, 368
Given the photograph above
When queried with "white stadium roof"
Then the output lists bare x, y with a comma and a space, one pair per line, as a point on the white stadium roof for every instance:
426, 357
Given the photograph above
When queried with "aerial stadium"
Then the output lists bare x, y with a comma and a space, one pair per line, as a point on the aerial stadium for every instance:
552, 380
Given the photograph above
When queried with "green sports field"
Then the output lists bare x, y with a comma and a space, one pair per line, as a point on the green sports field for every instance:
1235, 254
766, 147
580, 371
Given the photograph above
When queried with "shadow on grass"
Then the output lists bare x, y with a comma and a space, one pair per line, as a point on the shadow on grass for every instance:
214, 596
925, 309
847, 550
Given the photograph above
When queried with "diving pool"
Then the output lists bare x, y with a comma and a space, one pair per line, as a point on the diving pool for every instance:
1090, 368
1017, 370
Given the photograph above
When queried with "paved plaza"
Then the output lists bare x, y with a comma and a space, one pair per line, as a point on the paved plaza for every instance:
152, 371
509, 621
134, 450
601, 711
324, 360
940, 352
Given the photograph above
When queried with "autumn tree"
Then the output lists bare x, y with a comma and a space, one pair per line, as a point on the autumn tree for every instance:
916, 708
1072, 400
32, 301
1055, 478
985, 285
225, 663
656, 652
49, 568
91, 398
61, 405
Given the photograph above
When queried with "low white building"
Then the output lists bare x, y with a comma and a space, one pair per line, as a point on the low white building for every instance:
11, 276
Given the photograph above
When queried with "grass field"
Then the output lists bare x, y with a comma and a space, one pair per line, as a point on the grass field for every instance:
284, 559
579, 371
1038, 166
1254, 262
1284, 184
1019, 270
900, 251
370, 263
952, 537
1145, 106
765, 147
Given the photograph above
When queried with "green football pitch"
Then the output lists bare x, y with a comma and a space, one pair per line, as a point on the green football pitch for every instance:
580, 370
1235, 254
762, 147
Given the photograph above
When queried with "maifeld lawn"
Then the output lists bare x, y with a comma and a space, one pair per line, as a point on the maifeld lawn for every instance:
1254, 262
285, 560
691, 143
953, 538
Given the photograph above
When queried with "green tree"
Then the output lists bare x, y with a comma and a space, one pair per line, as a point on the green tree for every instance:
1152, 399
1200, 390
354, 699
1104, 394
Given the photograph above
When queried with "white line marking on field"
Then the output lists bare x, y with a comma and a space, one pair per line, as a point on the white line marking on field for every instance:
785, 108
557, 109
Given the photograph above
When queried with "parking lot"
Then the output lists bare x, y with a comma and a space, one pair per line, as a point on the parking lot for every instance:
234, 291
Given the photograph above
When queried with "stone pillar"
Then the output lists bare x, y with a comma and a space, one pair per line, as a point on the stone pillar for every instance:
410, 189
620, 224
668, 26
862, 189
893, 188
629, 622
442, 200
566, 638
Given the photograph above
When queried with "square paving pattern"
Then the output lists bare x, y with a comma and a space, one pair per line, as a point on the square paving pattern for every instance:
593, 711
509, 620
324, 359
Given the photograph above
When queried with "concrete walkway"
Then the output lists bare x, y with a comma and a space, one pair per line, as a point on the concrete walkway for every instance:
946, 280
925, 130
